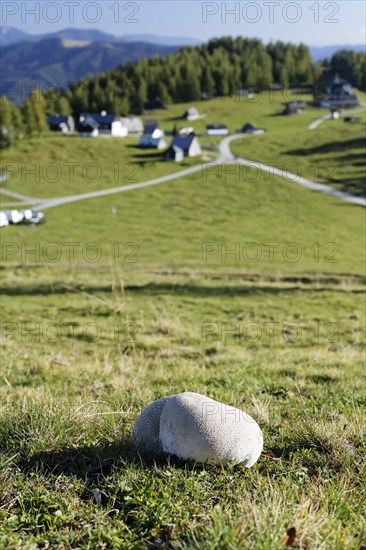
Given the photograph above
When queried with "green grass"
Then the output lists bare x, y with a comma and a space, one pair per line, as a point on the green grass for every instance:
333, 154
234, 111
41, 168
172, 224
68, 409
87, 345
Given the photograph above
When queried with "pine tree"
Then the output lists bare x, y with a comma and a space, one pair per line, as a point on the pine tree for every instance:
30, 124
63, 107
351, 66
284, 81
37, 105
163, 93
6, 124
216, 69
140, 96
17, 121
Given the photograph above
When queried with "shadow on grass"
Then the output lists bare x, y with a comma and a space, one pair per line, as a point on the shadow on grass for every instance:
98, 461
178, 118
333, 146
279, 114
329, 166
146, 153
356, 186
156, 289
83, 462
359, 157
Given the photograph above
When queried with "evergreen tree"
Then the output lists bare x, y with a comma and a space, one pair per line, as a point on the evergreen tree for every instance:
163, 93
34, 112
304, 66
6, 123
351, 66
63, 107
17, 121
140, 96
284, 81
29, 119
218, 68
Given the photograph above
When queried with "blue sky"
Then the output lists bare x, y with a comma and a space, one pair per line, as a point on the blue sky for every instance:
313, 22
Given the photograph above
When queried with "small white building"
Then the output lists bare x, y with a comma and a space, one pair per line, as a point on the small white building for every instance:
150, 142
152, 136
174, 153
188, 144
94, 124
153, 129
249, 128
64, 124
134, 125
339, 94
216, 130
116, 129
191, 114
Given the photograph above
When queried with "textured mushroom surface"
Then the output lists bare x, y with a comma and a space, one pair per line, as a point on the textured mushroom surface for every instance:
198, 428
194, 427
146, 430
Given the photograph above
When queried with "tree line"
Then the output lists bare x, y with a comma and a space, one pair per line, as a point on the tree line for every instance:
223, 66
26, 121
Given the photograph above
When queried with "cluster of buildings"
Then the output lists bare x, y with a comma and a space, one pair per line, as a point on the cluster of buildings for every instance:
151, 136
334, 94
96, 124
337, 93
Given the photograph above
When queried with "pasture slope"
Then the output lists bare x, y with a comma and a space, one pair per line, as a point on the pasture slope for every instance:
230, 282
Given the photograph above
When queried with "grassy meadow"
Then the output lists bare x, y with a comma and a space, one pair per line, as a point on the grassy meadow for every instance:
243, 287
65, 165
333, 154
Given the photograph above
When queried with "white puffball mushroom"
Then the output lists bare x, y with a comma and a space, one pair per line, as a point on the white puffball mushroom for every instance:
194, 427
146, 430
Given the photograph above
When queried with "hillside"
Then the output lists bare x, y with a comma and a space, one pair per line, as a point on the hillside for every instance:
223, 66
88, 341
115, 302
60, 61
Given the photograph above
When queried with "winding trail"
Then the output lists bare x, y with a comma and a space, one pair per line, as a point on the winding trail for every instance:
322, 119
319, 121
309, 184
225, 157
51, 203
14, 195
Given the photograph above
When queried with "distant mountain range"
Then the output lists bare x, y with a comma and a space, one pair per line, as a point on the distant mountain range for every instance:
33, 61
11, 35
325, 52
59, 61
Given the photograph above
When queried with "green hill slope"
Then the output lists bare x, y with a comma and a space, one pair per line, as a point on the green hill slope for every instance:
245, 288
